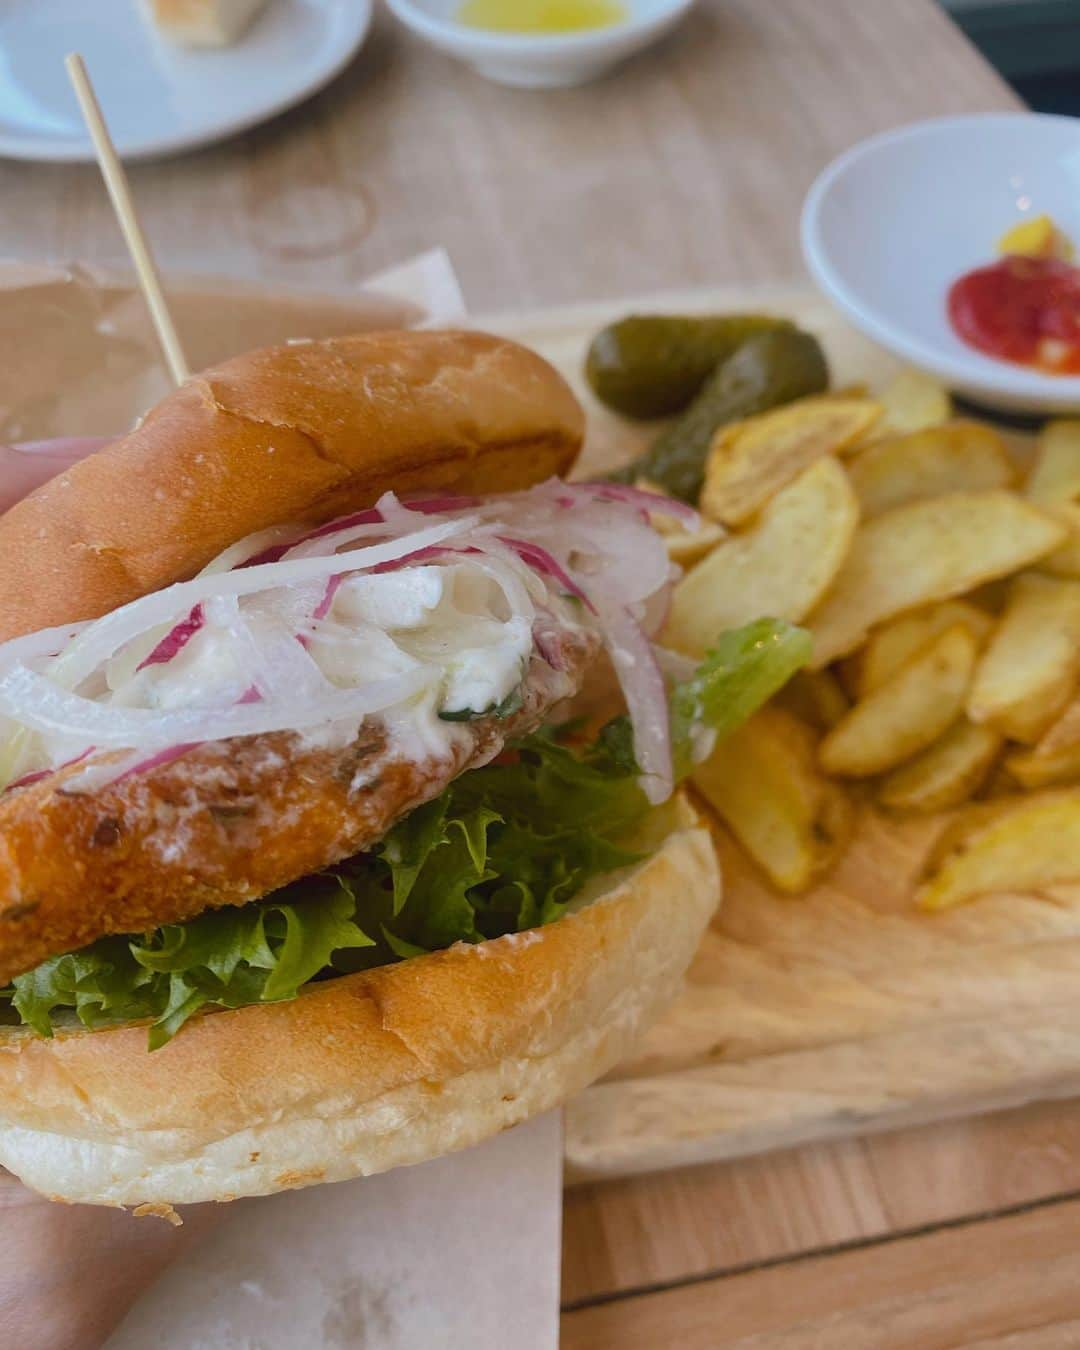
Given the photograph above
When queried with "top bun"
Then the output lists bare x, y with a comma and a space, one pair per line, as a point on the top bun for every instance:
298, 433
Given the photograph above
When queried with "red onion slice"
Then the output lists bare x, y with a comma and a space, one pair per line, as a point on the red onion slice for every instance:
432, 506
38, 774
650, 502
156, 760
322, 609
642, 682
175, 640
540, 560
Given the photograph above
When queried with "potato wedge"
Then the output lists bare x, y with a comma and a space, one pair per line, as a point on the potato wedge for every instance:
912, 401
1033, 770
927, 551
764, 784
816, 696
946, 774
1031, 665
960, 456
1054, 484
1026, 843
779, 568
751, 461
1065, 732
894, 643
907, 713
684, 546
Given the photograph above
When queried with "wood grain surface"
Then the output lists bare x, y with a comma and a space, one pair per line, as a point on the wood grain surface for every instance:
685, 168
687, 165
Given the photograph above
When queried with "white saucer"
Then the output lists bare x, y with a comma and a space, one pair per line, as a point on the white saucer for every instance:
159, 98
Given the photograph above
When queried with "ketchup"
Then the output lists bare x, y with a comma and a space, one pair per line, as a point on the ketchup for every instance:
1021, 309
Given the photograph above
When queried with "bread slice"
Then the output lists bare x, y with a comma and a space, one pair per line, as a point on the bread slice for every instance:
203, 23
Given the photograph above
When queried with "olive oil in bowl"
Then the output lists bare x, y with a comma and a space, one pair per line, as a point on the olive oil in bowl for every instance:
541, 16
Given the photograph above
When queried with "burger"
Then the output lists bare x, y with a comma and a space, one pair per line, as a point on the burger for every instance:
340, 824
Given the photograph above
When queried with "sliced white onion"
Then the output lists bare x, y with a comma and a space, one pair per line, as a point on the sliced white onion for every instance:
46, 642
42, 706
268, 602
97, 643
642, 682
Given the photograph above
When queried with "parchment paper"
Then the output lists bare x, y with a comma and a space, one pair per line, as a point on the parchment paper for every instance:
458, 1254
79, 355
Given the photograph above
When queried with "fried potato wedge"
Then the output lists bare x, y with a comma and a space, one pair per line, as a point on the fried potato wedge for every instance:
684, 546
1033, 770
1025, 843
750, 461
946, 774
816, 696
1065, 732
780, 567
960, 456
764, 783
894, 643
1031, 665
1054, 484
926, 551
907, 713
912, 401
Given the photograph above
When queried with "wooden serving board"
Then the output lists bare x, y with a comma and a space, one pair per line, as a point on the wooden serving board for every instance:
846, 1010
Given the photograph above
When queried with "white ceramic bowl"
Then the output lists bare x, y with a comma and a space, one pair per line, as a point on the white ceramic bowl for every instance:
540, 61
890, 224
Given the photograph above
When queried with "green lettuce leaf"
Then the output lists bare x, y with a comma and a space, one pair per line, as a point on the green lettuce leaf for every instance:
504, 848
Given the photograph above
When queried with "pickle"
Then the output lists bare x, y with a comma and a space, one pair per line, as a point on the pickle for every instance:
767, 370
652, 365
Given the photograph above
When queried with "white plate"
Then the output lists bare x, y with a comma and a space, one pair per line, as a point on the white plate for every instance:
159, 98
891, 223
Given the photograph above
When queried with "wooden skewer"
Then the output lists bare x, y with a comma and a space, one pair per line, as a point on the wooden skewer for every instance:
120, 194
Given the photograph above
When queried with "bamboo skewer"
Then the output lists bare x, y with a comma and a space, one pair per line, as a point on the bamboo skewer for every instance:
120, 195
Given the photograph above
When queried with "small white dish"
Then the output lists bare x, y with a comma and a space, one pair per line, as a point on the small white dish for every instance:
892, 223
159, 98
540, 60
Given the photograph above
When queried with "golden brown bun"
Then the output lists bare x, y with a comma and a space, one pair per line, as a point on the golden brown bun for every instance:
365, 1072
303, 432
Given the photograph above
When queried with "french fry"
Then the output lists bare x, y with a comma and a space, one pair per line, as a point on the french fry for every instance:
780, 567
912, 401
1054, 484
1032, 662
946, 774
815, 696
1033, 769
764, 784
1027, 843
960, 456
905, 714
750, 461
894, 643
926, 551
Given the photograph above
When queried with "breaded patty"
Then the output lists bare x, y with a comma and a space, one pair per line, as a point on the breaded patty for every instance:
225, 823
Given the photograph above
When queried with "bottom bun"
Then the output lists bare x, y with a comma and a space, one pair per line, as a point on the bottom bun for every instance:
364, 1072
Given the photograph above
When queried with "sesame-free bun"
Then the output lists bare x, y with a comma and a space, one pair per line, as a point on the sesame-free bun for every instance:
297, 433
364, 1072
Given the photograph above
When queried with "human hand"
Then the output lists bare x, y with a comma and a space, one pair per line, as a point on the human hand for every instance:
69, 1273
26, 466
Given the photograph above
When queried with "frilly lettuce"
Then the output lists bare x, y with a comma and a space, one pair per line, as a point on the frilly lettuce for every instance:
504, 848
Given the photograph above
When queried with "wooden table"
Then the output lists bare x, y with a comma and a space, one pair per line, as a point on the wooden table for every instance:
686, 167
